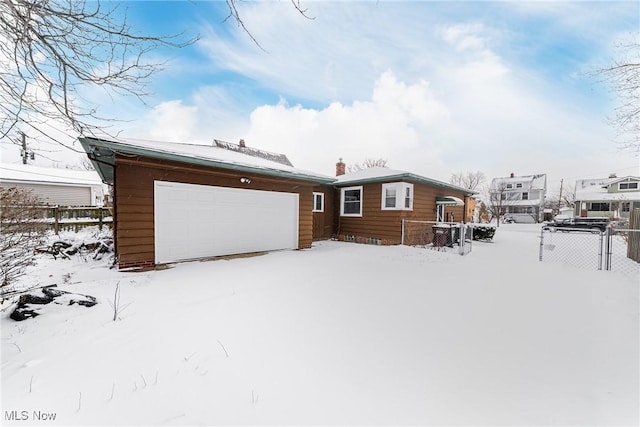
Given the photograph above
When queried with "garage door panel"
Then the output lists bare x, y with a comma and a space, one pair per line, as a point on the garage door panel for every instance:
195, 221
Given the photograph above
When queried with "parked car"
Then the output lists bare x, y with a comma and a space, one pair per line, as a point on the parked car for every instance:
593, 224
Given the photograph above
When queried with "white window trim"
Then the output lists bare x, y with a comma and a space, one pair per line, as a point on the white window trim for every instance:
400, 188
628, 189
316, 194
345, 189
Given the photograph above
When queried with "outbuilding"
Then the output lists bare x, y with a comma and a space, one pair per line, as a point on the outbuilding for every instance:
55, 186
177, 202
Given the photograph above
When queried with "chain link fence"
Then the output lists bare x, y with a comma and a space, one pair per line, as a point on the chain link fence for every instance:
452, 237
612, 250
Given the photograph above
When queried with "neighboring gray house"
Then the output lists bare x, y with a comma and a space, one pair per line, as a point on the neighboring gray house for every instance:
61, 187
611, 197
520, 197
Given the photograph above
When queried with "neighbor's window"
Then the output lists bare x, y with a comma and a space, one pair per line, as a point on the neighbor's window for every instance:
525, 196
318, 202
509, 186
397, 196
351, 201
601, 207
628, 186
519, 185
625, 206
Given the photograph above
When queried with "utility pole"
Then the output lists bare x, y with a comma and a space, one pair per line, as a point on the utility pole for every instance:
560, 197
25, 153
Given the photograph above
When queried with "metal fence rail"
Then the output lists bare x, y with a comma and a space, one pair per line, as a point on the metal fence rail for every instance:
612, 250
450, 237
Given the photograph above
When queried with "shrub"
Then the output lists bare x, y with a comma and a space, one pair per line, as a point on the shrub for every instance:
21, 230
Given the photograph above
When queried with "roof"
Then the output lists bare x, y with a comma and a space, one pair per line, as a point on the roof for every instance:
102, 153
383, 174
537, 181
596, 189
38, 174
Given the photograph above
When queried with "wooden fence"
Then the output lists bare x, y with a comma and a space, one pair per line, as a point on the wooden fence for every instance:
67, 218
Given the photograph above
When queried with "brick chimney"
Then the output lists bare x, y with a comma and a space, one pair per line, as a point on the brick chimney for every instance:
241, 143
340, 168
511, 175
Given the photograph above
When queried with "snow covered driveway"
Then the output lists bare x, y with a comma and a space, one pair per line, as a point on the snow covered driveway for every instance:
338, 334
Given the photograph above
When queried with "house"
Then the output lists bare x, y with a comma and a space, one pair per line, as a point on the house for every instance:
519, 197
176, 202
611, 197
61, 187
372, 203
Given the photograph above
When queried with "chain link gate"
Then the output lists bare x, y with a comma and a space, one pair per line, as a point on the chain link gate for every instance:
612, 250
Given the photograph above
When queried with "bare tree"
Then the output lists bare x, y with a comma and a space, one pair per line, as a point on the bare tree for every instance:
235, 15
469, 180
368, 163
624, 78
499, 199
49, 50
21, 230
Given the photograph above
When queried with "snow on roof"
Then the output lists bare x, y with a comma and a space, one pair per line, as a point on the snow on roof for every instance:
380, 174
207, 154
370, 173
35, 174
596, 189
537, 181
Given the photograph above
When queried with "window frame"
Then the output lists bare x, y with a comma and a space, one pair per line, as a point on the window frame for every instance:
628, 184
316, 194
400, 197
525, 195
342, 200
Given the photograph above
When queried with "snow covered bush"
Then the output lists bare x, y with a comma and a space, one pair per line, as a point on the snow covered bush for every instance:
21, 230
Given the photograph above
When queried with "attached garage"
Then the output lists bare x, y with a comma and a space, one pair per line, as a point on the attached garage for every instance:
176, 202
196, 221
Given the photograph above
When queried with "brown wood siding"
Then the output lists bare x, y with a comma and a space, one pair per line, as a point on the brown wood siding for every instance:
386, 225
324, 222
134, 189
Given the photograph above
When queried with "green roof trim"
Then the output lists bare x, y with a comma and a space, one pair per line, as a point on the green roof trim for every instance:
102, 154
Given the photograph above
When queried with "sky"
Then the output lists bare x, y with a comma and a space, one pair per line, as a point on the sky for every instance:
435, 88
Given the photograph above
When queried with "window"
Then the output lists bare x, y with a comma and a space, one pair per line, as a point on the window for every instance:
600, 207
397, 196
351, 201
625, 207
318, 202
525, 196
509, 186
389, 197
519, 185
628, 186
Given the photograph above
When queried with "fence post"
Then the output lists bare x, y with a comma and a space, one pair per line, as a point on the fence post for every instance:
600, 251
541, 243
100, 219
461, 238
608, 250
402, 233
56, 224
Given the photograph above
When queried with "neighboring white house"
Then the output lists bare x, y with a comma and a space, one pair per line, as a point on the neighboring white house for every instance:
521, 197
61, 187
611, 197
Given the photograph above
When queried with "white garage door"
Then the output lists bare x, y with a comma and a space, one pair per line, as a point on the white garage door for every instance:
196, 221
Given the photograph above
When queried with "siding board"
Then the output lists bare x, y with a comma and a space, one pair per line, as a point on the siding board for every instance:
134, 208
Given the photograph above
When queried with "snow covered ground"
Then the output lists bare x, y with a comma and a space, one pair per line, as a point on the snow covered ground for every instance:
340, 334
